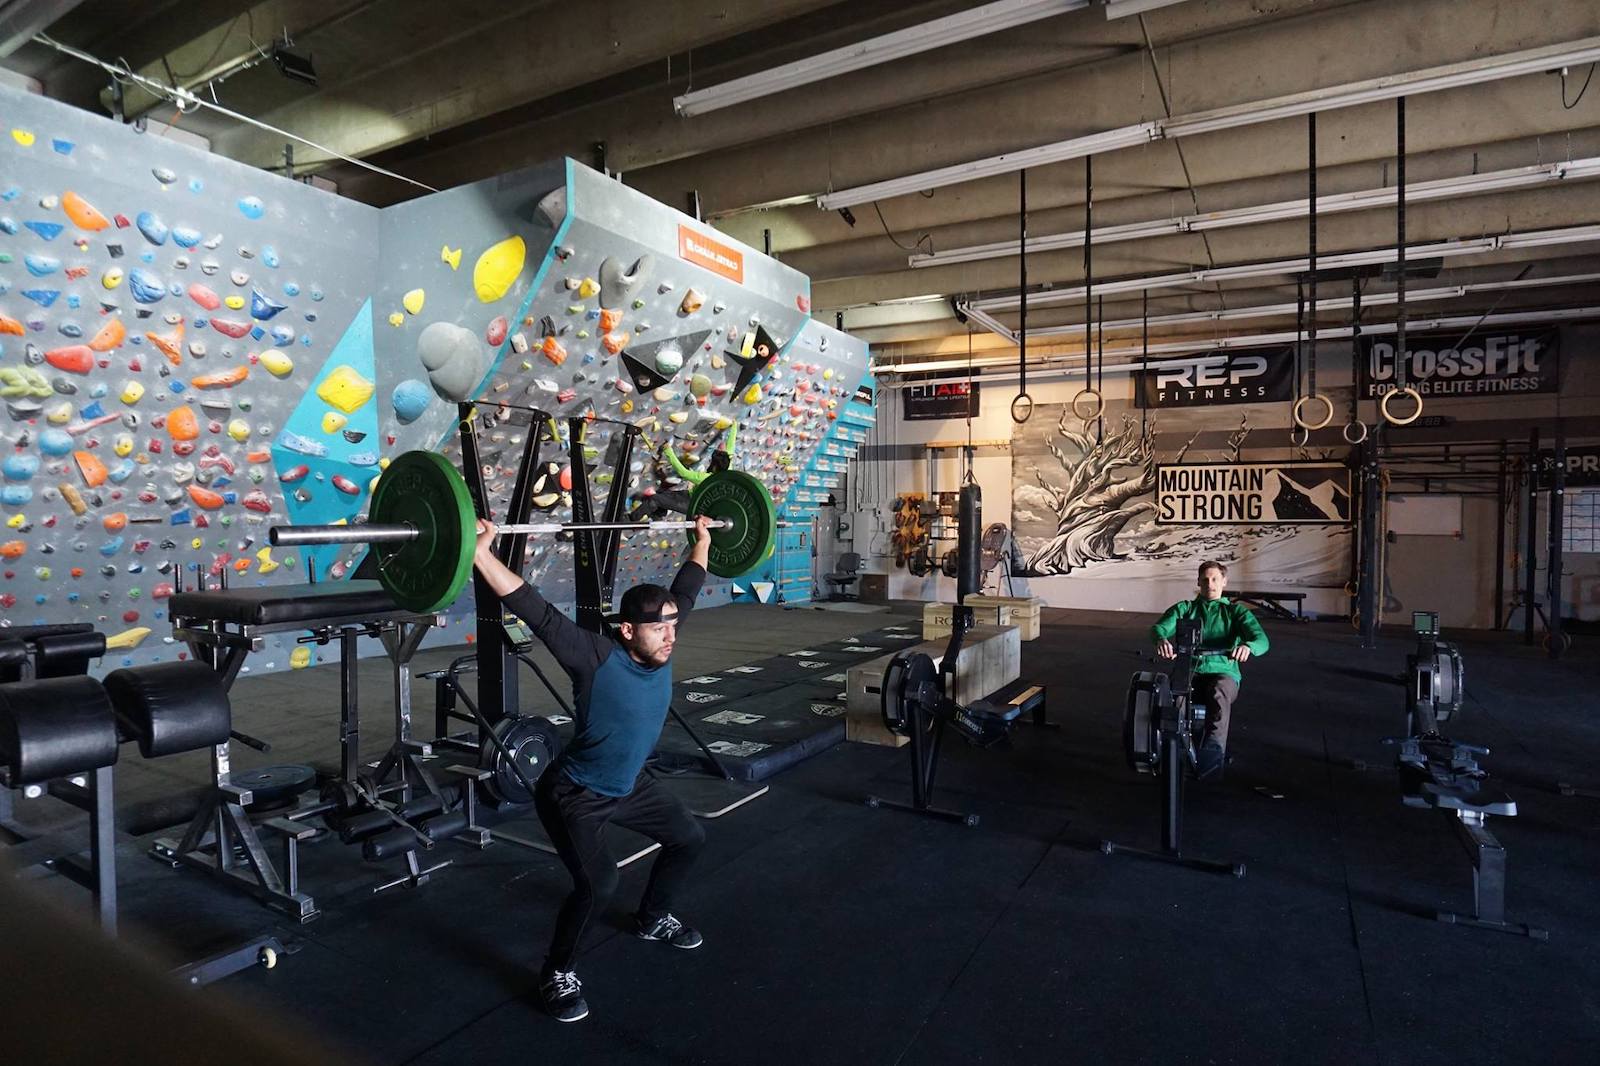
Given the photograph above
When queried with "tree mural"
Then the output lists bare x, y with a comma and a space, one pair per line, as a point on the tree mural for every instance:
1101, 492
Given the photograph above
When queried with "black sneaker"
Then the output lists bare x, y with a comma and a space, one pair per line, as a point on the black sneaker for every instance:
671, 930
563, 996
1211, 762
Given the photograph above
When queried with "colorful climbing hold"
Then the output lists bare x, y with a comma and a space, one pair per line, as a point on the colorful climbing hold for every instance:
498, 267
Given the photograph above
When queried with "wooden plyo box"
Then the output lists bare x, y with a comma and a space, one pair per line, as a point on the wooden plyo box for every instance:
1024, 611
936, 618
991, 658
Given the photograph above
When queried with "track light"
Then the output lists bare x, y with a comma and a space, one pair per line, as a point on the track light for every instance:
294, 66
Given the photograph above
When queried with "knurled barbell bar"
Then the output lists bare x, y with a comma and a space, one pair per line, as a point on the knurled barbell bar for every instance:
423, 525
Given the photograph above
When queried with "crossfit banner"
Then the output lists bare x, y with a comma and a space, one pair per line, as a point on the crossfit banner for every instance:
1256, 494
1258, 376
941, 399
1491, 364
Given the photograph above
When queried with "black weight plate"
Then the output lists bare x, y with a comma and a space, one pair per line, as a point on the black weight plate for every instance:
950, 563
424, 490
918, 562
1141, 722
274, 786
533, 742
735, 496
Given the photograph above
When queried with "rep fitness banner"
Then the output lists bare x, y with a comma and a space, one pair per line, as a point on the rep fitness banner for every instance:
1256, 376
1255, 494
1491, 364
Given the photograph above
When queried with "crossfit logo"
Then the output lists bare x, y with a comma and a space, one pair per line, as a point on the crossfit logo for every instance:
1217, 378
1486, 365
708, 679
703, 697
813, 664
745, 669
827, 710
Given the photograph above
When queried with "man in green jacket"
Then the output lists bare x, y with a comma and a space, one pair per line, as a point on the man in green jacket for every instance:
1224, 626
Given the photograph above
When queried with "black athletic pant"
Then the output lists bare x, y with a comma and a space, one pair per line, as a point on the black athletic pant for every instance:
1217, 692
576, 818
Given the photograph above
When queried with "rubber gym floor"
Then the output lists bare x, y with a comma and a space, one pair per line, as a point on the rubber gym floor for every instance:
840, 934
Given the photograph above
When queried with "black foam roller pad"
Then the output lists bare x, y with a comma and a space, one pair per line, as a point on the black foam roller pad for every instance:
171, 707
54, 728
67, 654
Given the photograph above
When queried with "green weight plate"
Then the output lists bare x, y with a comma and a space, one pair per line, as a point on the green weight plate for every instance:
424, 490
735, 495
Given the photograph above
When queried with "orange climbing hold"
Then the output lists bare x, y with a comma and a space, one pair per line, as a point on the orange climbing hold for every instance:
11, 326
222, 379
13, 549
109, 336
205, 499
74, 359
609, 320
115, 522
183, 425
83, 213
615, 342
171, 344
92, 469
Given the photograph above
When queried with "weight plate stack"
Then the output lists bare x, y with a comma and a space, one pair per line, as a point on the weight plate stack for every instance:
533, 743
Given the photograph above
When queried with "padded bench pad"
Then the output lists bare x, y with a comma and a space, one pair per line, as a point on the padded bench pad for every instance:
283, 604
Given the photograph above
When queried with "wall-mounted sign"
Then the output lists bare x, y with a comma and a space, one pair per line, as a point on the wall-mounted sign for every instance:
1253, 494
1489, 364
719, 258
941, 399
1583, 466
1256, 376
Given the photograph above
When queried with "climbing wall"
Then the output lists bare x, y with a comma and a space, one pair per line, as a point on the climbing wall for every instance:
192, 351
161, 314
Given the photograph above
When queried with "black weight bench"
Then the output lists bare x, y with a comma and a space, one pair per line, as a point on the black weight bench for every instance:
1273, 603
222, 626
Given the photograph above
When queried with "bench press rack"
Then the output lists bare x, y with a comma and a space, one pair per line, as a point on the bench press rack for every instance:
222, 627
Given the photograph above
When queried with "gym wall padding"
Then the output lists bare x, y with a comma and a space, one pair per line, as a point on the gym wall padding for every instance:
192, 350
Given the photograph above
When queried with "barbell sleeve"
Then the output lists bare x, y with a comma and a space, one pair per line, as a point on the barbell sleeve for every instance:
366, 533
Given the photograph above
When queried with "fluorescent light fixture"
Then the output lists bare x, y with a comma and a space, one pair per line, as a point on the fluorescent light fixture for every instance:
962, 26
1413, 83
1054, 368
1439, 250
1121, 9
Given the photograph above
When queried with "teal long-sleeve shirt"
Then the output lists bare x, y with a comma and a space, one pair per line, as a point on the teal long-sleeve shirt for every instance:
1223, 624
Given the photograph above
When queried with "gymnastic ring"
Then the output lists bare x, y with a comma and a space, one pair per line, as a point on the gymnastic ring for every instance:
1099, 405
1383, 405
1348, 439
1305, 436
1024, 402
1349, 588
1306, 423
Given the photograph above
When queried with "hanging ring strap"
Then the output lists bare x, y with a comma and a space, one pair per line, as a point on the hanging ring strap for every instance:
1022, 403
1094, 399
1388, 398
1300, 418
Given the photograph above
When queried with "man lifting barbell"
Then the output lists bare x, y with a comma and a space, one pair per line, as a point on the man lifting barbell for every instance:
1224, 625
622, 687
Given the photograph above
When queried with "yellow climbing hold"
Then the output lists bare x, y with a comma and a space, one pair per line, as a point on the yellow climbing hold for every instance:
234, 302
678, 417
333, 422
277, 363
111, 278
723, 422
452, 256
498, 267
267, 563
123, 446
17, 521
300, 658
827, 375
128, 638
345, 389
752, 395
23, 137
239, 430
196, 544
413, 300
396, 318
59, 415
131, 393
587, 288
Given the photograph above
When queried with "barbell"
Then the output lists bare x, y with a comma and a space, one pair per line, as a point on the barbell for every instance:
423, 526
